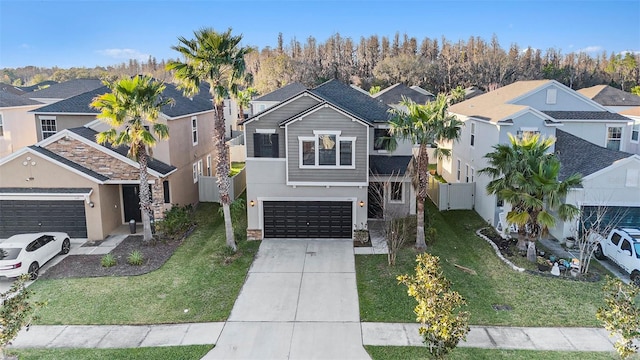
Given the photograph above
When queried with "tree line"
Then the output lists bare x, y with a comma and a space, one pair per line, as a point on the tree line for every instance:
436, 64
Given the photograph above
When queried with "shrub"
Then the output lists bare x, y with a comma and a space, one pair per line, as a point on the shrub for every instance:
176, 221
621, 316
135, 258
442, 325
108, 261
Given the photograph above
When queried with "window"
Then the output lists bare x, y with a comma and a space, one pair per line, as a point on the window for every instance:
381, 139
265, 145
1, 126
261, 107
194, 130
615, 238
526, 132
473, 134
165, 191
195, 173
458, 170
472, 175
614, 137
200, 169
48, 125
396, 193
635, 131
466, 173
209, 166
327, 149
626, 246
552, 94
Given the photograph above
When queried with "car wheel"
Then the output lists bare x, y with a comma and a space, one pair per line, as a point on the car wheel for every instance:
66, 246
34, 268
598, 253
635, 278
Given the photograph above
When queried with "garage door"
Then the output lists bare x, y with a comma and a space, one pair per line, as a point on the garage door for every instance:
307, 219
25, 216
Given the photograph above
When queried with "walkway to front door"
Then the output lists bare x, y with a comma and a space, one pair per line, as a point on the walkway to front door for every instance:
299, 301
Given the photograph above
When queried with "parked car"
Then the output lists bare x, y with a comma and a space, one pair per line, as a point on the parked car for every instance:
622, 246
26, 253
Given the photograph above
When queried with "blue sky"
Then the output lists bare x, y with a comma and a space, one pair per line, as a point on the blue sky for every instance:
92, 32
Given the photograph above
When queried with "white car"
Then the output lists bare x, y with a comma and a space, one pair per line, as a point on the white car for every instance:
26, 253
622, 246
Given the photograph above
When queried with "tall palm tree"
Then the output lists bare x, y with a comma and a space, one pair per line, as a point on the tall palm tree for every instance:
525, 174
423, 124
132, 109
217, 59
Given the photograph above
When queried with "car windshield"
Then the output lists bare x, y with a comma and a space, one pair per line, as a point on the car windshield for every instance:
637, 247
9, 253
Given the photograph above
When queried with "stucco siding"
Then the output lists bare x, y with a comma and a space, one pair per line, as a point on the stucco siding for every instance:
181, 148
63, 122
108, 205
327, 119
565, 101
19, 129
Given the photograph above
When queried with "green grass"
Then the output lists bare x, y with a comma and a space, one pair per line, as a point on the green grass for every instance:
536, 300
194, 285
192, 352
410, 353
236, 167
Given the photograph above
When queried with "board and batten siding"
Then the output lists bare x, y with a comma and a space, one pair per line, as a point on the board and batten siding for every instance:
273, 119
327, 119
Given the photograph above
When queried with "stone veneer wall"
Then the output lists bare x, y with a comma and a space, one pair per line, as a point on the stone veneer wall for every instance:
254, 234
113, 168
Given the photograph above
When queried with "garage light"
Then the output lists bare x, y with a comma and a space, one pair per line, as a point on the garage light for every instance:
361, 203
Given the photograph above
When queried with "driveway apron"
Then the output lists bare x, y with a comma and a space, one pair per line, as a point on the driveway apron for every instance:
299, 301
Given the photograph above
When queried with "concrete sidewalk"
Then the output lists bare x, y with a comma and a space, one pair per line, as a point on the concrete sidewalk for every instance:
259, 334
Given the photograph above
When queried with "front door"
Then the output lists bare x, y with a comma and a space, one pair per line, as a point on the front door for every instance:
131, 203
376, 200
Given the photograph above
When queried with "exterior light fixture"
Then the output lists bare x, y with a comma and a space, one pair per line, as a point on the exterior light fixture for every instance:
361, 203
252, 203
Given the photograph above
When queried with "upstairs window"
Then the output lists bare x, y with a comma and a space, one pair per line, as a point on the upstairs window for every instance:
614, 138
327, 149
194, 130
265, 145
381, 139
635, 131
48, 126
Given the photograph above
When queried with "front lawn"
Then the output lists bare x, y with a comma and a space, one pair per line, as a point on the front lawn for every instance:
192, 352
411, 353
198, 283
535, 300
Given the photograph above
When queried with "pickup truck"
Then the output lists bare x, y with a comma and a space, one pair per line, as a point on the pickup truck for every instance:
622, 246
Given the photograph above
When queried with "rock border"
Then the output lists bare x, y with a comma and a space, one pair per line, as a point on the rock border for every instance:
498, 252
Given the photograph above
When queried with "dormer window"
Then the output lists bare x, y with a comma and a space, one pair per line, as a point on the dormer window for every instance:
327, 149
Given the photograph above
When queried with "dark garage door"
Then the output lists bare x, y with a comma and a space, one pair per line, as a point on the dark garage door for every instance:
307, 219
26, 216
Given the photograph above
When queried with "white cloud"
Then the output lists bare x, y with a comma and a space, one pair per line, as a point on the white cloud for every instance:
25, 46
633, 52
590, 49
124, 54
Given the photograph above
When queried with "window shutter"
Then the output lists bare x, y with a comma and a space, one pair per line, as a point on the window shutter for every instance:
257, 139
275, 148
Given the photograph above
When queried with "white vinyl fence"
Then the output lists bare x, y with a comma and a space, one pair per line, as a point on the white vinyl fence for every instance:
449, 196
208, 188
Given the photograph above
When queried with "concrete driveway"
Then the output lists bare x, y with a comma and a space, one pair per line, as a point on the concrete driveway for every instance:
299, 301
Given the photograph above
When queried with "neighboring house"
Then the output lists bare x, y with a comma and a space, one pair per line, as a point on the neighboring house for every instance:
423, 91
64, 90
17, 128
273, 98
534, 107
622, 102
69, 182
394, 94
11, 89
311, 163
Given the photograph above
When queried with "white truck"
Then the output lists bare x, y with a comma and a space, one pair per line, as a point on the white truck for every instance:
622, 246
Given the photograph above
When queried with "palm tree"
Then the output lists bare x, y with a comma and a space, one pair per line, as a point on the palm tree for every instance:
423, 124
244, 98
525, 175
217, 59
132, 109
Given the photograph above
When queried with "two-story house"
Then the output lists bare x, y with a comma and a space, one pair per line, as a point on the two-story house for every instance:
550, 109
17, 128
311, 160
68, 182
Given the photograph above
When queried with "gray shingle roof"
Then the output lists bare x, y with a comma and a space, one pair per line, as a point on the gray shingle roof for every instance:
153, 164
11, 190
388, 164
70, 163
585, 115
79, 104
577, 155
393, 95
283, 93
353, 101
36, 86
609, 96
8, 99
65, 90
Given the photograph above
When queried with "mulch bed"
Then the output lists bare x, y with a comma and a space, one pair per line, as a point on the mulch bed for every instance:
155, 254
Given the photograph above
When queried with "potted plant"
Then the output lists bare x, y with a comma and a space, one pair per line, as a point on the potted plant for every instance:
361, 234
570, 242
